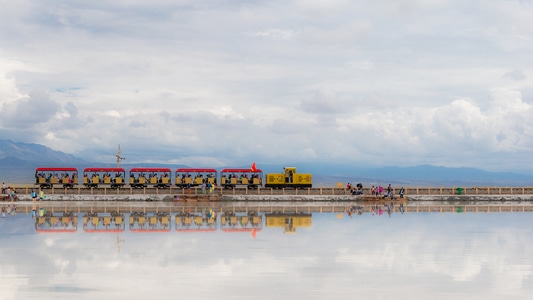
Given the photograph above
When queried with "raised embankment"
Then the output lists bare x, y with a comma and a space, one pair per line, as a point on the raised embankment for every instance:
339, 190
284, 198
269, 194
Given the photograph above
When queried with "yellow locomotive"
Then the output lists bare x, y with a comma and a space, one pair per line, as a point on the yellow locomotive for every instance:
289, 178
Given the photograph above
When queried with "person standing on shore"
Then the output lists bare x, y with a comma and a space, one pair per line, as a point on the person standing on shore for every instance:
3, 188
33, 203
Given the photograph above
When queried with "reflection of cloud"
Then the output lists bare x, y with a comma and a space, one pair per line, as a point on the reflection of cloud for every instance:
411, 256
10, 281
49, 242
464, 255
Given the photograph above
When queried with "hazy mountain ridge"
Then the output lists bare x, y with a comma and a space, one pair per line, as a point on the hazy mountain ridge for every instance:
33, 152
19, 160
425, 175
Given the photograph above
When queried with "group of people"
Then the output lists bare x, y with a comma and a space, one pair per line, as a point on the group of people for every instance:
142, 178
376, 191
34, 204
357, 190
389, 208
105, 175
55, 178
198, 178
10, 195
207, 188
375, 210
9, 210
9, 192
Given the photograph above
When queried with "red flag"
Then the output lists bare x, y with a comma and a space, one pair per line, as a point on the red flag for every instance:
253, 169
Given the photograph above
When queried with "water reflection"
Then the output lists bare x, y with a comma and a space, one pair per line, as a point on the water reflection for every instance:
246, 252
139, 221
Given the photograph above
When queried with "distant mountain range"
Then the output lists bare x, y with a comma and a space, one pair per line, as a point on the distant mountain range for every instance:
421, 175
19, 160
11, 151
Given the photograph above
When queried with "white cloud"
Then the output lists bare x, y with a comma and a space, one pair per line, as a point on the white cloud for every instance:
362, 65
9, 90
431, 81
515, 74
319, 7
276, 34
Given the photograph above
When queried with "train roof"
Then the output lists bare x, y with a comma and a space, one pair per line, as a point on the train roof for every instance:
104, 170
41, 169
241, 171
150, 170
196, 170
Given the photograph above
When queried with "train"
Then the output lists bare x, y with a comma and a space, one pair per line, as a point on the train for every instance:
229, 178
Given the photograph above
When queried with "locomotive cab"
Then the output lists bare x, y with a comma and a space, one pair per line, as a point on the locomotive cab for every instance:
289, 173
289, 179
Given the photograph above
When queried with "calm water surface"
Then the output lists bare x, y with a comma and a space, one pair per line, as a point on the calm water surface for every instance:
404, 256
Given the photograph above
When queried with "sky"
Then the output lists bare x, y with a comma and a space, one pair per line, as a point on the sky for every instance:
406, 256
225, 83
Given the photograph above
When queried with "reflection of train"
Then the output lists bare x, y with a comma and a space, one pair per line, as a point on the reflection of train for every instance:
233, 222
49, 222
141, 221
288, 221
164, 177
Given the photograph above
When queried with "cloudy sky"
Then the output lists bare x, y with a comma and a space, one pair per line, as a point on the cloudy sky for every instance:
221, 83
